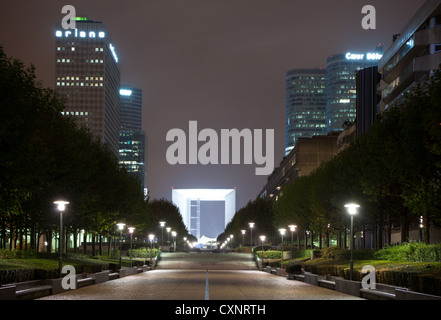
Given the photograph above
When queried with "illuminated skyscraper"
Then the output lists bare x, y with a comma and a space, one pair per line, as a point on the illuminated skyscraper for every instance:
305, 105
87, 73
132, 145
341, 86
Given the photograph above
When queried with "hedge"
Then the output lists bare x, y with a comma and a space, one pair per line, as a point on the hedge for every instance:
413, 251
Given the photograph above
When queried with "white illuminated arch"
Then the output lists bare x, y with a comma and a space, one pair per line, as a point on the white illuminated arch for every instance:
183, 197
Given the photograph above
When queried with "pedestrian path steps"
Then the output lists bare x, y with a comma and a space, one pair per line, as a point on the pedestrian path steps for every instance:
206, 261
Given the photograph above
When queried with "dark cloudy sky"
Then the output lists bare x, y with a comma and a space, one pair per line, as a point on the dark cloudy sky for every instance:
219, 62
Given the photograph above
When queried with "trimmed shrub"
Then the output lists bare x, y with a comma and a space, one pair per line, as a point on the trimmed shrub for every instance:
293, 267
302, 254
143, 253
413, 251
17, 254
270, 254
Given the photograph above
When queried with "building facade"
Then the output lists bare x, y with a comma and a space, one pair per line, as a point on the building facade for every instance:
305, 105
87, 74
367, 99
307, 155
341, 91
413, 56
132, 139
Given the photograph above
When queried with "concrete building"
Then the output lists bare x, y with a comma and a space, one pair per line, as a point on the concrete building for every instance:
413, 56
307, 155
87, 73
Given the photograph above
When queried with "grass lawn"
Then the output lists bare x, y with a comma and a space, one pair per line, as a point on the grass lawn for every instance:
433, 268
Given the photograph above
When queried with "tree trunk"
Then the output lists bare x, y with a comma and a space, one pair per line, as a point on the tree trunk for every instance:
426, 227
404, 228
93, 244
100, 244
380, 232
85, 243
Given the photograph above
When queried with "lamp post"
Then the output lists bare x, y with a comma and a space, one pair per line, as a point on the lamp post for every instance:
168, 236
292, 227
282, 232
61, 206
243, 237
151, 237
174, 240
262, 239
352, 210
131, 230
231, 247
251, 224
162, 224
120, 227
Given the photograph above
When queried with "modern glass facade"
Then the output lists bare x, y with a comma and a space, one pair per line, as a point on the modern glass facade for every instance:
305, 105
132, 139
341, 86
87, 73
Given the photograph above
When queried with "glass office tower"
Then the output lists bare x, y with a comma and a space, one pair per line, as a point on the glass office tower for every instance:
341, 86
87, 73
132, 145
305, 105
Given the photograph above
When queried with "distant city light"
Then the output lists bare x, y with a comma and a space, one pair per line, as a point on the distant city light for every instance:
112, 49
125, 92
82, 34
368, 56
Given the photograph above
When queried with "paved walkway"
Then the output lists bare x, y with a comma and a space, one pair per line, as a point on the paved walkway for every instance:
206, 260
203, 276
193, 285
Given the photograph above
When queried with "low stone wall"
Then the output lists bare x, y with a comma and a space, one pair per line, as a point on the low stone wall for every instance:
354, 288
35, 289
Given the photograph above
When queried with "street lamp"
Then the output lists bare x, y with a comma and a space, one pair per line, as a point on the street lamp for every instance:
262, 239
174, 240
168, 236
282, 232
131, 229
251, 224
243, 237
352, 210
292, 227
61, 206
120, 228
151, 237
162, 224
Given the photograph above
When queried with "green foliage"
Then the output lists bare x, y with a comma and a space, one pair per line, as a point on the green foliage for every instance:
46, 156
293, 267
413, 251
393, 173
260, 211
17, 254
270, 254
302, 254
332, 252
144, 253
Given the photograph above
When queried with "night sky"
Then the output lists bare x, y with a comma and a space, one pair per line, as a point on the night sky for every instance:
221, 63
